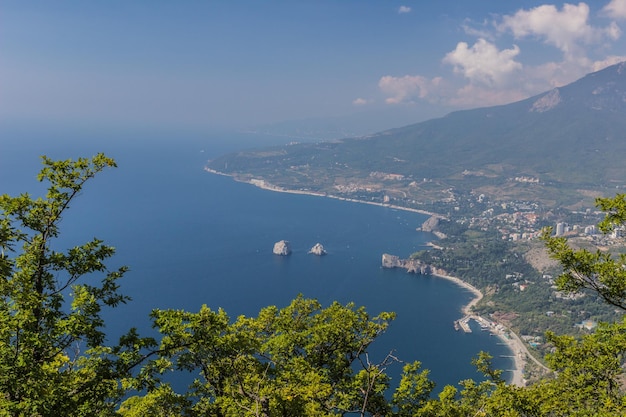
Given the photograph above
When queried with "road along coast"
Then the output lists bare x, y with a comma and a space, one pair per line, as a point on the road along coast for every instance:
514, 343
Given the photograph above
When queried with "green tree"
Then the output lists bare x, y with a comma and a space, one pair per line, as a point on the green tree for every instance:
597, 271
588, 375
52, 358
413, 391
492, 397
302, 360
589, 371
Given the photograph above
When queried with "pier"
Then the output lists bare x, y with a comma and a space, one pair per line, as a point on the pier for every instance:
463, 324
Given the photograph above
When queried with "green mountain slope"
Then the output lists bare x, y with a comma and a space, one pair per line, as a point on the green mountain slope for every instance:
571, 139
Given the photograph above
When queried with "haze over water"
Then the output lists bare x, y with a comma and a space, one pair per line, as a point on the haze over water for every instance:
193, 238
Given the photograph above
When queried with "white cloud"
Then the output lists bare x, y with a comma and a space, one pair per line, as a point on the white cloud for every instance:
613, 31
472, 95
607, 62
566, 29
549, 75
404, 9
407, 88
482, 31
616, 9
486, 73
483, 62
360, 101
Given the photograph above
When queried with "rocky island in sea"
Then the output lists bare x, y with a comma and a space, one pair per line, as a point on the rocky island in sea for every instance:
318, 249
282, 248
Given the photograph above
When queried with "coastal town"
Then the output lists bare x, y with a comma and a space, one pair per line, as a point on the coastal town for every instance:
518, 226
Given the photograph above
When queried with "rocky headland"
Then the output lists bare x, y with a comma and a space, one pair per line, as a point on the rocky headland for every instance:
431, 226
413, 266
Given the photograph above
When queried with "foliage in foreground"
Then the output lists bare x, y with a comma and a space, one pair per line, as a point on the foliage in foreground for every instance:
301, 360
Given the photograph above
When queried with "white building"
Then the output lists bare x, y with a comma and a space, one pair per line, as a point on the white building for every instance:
560, 229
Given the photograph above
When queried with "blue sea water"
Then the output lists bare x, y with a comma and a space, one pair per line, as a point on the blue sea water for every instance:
193, 238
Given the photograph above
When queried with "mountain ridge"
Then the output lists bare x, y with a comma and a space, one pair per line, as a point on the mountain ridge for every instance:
569, 138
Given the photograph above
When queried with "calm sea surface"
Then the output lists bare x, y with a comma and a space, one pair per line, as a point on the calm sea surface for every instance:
192, 238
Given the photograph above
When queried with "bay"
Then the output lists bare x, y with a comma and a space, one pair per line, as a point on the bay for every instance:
193, 238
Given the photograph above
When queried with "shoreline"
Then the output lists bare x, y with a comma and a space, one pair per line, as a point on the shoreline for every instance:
516, 346
514, 343
262, 184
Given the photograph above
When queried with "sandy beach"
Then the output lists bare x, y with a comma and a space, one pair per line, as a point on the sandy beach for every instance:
270, 187
514, 343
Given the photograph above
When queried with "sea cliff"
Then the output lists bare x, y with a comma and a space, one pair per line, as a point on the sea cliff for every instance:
412, 266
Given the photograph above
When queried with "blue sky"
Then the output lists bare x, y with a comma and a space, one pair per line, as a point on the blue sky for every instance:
202, 64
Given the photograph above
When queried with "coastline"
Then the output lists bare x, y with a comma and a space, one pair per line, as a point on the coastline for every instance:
513, 342
270, 187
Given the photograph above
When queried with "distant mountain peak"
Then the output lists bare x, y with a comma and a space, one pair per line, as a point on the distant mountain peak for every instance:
604, 90
547, 102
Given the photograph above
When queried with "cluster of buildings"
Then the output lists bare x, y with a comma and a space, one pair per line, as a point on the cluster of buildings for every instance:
514, 220
564, 229
524, 220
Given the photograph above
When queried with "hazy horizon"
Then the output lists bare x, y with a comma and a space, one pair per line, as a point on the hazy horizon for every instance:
210, 65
